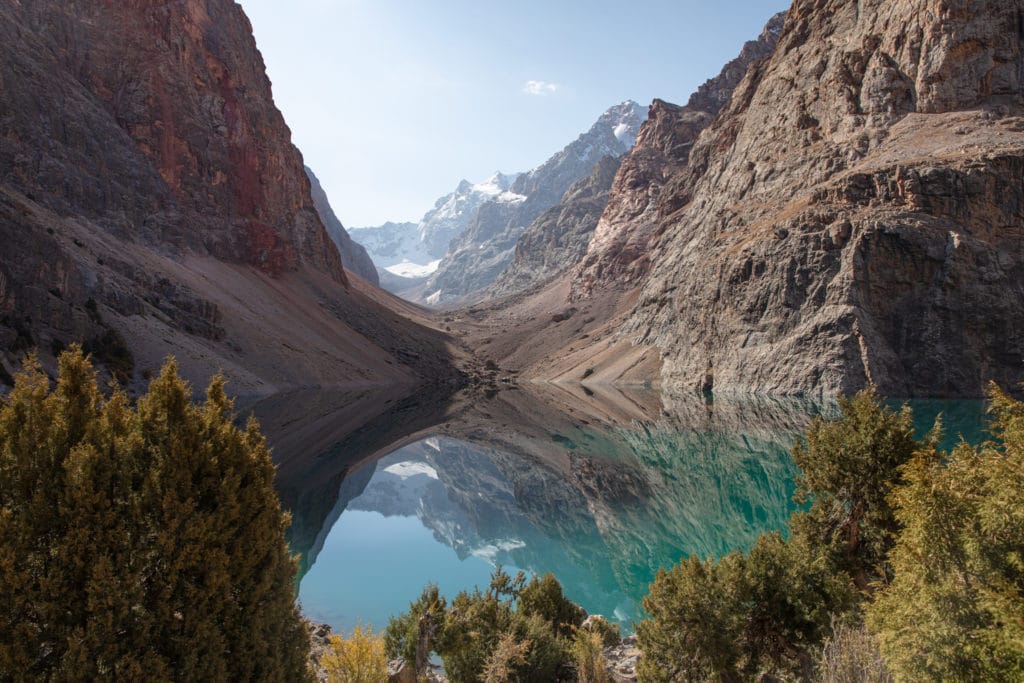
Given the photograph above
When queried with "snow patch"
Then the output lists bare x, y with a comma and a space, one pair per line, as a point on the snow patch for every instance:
411, 469
435, 298
411, 269
490, 552
622, 132
510, 198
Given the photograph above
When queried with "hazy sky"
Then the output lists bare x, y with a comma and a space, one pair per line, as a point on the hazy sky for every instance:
392, 102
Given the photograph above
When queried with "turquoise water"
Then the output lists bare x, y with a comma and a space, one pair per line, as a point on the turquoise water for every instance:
342, 591
601, 500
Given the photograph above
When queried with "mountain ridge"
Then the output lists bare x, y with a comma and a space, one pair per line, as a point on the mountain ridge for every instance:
152, 203
479, 255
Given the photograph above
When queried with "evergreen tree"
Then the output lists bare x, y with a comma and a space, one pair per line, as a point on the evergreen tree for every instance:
769, 609
488, 634
955, 609
140, 544
848, 468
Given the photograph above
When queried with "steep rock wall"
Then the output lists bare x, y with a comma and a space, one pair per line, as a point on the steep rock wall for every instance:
855, 214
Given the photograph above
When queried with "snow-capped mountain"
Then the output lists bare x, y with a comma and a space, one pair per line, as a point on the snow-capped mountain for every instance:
414, 250
461, 245
453, 213
394, 247
479, 255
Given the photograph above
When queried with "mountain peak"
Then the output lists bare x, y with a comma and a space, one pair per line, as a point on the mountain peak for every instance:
624, 121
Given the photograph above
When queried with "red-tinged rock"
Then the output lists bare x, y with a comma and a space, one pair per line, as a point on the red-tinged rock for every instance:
149, 186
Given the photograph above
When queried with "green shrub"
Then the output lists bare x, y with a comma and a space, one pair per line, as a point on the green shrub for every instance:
695, 625
607, 631
417, 629
488, 634
140, 543
548, 658
543, 596
507, 655
955, 609
849, 465
770, 610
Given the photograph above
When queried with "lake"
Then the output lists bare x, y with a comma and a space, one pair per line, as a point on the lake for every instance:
600, 486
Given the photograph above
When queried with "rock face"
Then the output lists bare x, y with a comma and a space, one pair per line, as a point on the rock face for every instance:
453, 213
149, 190
620, 250
407, 253
856, 213
353, 255
478, 256
558, 239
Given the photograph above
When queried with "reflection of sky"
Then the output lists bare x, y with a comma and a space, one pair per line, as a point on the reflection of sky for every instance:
372, 567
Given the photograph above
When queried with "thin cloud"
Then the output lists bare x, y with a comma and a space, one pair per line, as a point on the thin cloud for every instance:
540, 88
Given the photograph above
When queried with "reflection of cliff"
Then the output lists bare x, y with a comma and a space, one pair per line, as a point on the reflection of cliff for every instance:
599, 490
324, 446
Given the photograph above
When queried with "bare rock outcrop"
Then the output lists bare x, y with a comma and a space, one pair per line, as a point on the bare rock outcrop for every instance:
619, 249
856, 213
353, 255
151, 202
558, 239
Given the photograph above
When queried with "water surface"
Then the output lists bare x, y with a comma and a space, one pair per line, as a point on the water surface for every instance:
602, 488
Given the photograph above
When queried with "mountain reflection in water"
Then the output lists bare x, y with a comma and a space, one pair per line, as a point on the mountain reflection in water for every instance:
601, 487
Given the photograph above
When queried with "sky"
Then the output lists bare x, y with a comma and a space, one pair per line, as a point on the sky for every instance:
393, 102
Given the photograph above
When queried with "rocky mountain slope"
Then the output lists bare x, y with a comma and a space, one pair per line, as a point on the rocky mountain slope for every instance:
453, 213
856, 214
353, 255
478, 256
619, 251
559, 237
568, 329
413, 251
151, 202
853, 215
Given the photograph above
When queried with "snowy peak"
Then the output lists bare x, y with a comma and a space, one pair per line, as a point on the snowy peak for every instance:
625, 120
496, 184
479, 255
613, 134
453, 213
414, 250
391, 244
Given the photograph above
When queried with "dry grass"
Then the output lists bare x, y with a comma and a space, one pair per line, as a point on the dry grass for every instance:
851, 655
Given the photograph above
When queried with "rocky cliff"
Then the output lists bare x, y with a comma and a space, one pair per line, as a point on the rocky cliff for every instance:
619, 250
559, 237
479, 255
353, 255
453, 213
151, 202
570, 328
408, 253
856, 213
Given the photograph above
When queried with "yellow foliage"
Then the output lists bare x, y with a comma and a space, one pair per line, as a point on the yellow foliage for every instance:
358, 659
507, 655
588, 654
